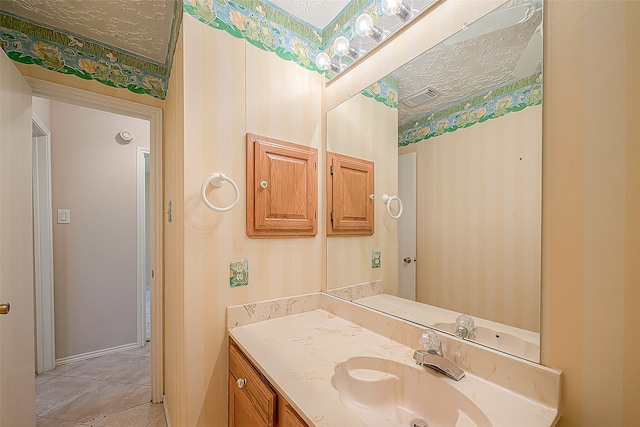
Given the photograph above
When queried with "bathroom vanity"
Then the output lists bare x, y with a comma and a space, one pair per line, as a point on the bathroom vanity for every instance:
318, 360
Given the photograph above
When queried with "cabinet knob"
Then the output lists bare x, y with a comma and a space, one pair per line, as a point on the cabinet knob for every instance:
264, 184
240, 382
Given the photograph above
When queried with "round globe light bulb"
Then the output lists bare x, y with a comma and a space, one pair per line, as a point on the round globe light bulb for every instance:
364, 25
391, 7
341, 46
323, 61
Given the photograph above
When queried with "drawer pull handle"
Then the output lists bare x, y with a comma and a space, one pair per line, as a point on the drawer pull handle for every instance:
240, 382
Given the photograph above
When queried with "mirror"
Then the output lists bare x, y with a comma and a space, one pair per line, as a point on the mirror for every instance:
456, 134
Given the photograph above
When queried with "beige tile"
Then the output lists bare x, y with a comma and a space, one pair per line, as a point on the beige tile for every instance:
43, 378
91, 402
159, 421
136, 372
137, 416
57, 389
52, 422
61, 369
100, 367
139, 396
141, 351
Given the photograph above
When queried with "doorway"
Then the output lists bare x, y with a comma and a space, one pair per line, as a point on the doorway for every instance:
82, 98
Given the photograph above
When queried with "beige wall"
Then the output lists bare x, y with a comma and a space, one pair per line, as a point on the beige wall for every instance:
478, 227
95, 255
591, 213
364, 128
591, 202
221, 88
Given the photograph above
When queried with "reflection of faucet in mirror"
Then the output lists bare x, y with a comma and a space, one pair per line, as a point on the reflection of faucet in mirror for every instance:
432, 356
465, 327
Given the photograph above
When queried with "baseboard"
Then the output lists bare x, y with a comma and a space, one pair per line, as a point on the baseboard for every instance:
166, 410
92, 354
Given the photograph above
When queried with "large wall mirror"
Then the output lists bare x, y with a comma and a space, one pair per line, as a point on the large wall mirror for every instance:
456, 134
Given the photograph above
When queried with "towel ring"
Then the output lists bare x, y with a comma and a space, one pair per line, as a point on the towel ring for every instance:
217, 179
387, 201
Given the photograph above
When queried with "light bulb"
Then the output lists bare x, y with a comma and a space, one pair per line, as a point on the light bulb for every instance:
396, 7
365, 28
323, 61
364, 25
391, 7
341, 46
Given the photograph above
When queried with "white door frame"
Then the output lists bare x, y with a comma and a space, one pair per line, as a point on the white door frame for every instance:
141, 228
71, 95
43, 247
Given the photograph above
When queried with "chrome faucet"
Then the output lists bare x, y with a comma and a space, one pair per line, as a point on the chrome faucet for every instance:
433, 358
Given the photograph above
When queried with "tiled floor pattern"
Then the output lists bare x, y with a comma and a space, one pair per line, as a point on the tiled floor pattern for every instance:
106, 391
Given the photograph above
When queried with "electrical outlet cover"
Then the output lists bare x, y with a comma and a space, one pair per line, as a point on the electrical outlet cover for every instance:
239, 273
375, 259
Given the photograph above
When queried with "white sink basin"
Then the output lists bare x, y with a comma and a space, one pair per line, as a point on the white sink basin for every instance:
498, 340
385, 393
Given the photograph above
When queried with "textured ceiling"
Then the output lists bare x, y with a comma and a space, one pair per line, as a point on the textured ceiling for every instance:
141, 27
317, 13
480, 57
462, 67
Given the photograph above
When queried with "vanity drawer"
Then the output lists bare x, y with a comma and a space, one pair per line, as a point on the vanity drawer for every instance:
248, 392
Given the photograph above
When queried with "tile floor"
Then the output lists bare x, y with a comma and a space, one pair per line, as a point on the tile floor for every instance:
106, 391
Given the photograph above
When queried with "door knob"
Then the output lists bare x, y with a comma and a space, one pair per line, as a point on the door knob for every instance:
4, 308
407, 260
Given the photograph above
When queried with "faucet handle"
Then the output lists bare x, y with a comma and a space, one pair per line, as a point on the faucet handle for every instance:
465, 326
429, 339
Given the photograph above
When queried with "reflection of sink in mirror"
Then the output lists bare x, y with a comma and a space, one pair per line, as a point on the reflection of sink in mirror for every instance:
387, 393
498, 340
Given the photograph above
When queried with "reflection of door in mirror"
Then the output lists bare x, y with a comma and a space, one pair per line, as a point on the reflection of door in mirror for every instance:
407, 226
470, 111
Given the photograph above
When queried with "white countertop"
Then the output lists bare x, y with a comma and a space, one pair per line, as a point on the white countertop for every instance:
298, 353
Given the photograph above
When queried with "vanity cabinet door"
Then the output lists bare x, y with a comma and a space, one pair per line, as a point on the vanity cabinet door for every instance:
252, 402
290, 418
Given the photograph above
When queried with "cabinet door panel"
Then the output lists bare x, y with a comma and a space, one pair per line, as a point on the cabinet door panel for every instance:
350, 184
260, 396
282, 182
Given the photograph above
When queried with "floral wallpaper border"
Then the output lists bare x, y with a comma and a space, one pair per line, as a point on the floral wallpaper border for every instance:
276, 31
29, 43
508, 98
384, 91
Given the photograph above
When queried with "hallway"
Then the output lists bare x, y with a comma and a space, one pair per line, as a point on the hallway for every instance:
106, 391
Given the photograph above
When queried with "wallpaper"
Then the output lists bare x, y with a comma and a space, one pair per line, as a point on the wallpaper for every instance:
275, 31
63, 52
511, 97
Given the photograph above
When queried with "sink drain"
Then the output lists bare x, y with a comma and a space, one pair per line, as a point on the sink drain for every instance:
418, 423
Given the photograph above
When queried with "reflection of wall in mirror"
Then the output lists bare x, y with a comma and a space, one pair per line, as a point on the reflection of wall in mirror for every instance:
351, 131
478, 226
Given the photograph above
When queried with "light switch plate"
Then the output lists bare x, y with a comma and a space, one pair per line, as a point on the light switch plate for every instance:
64, 216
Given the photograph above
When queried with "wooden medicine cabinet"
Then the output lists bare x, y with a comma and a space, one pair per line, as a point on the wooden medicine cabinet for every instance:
350, 196
282, 188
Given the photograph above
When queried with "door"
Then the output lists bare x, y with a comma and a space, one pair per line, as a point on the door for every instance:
17, 362
407, 226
